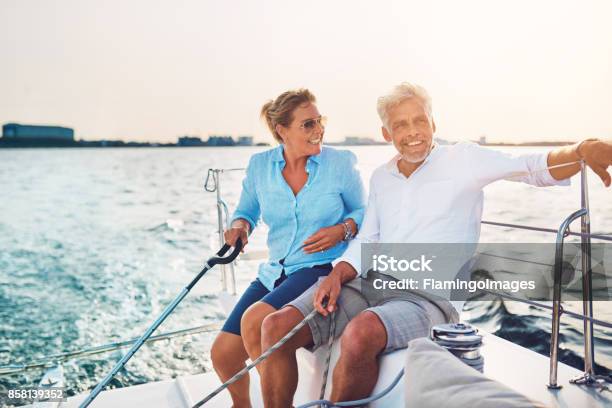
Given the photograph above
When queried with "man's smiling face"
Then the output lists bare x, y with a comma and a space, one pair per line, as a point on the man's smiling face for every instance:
411, 130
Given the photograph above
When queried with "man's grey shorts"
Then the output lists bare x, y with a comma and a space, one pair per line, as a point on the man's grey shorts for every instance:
405, 316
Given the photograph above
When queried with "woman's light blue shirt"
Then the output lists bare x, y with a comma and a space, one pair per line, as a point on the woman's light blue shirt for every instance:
334, 192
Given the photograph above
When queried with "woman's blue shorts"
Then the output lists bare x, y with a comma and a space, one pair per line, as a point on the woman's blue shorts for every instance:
286, 289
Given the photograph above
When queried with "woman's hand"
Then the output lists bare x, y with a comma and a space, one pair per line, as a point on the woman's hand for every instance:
239, 229
323, 239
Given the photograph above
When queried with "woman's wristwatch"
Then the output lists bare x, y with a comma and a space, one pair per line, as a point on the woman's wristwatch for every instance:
348, 231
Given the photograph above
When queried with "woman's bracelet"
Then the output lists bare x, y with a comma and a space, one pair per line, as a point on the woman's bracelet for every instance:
348, 231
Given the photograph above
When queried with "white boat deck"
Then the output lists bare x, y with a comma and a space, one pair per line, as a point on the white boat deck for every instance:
521, 369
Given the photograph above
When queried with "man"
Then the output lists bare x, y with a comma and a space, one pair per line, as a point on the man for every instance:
425, 194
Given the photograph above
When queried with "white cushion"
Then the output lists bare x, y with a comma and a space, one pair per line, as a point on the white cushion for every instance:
436, 378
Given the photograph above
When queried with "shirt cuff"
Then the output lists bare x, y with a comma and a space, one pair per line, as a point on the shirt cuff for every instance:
546, 178
238, 215
349, 261
357, 216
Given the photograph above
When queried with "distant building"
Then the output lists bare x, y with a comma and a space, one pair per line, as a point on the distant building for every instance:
16, 131
354, 140
220, 141
190, 141
359, 141
112, 143
245, 141
482, 140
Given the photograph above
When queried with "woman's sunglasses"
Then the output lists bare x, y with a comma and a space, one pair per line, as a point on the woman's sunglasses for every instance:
309, 124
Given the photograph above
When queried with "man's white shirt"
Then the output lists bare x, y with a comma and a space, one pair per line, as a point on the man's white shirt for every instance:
442, 200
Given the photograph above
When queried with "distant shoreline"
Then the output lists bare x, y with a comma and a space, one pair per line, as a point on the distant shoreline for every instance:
96, 145
530, 144
12, 144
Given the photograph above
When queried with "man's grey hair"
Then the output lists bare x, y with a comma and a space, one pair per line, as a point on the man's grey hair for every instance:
399, 94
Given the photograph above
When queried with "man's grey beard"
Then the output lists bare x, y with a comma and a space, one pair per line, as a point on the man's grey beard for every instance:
415, 159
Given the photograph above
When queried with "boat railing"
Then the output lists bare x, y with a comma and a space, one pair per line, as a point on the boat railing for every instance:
56, 359
588, 376
213, 184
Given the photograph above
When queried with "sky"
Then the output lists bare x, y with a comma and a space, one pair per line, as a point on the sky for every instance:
147, 70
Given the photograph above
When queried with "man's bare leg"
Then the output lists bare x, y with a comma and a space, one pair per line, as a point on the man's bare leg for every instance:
279, 374
356, 372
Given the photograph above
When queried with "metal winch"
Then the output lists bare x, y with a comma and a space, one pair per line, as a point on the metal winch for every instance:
462, 340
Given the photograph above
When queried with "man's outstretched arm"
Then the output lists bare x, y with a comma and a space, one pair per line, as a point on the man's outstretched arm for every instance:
597, 154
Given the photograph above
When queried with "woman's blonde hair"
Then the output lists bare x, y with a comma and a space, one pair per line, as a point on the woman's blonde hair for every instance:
280, 110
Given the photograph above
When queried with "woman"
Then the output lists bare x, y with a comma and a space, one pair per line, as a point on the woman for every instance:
312, 200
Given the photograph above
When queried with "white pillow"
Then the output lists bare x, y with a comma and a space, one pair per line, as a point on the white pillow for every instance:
434, 377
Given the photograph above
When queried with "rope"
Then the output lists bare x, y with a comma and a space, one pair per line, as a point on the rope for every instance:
364, 401
322, 402
258, 360
330, 343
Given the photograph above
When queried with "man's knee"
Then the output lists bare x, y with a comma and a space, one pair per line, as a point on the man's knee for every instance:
365, 336
279, 323
276, 325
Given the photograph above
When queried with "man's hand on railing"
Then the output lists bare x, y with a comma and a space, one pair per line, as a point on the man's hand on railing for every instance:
597, 154
240, 229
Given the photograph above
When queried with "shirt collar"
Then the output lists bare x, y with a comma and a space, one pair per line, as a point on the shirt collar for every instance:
316, 158
277, 155
391, 165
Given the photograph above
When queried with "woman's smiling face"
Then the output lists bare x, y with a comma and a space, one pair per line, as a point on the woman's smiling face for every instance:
304, 136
